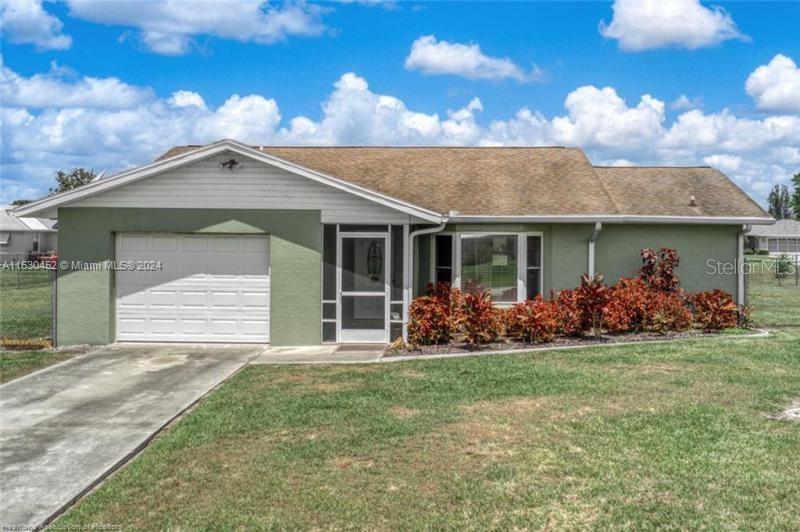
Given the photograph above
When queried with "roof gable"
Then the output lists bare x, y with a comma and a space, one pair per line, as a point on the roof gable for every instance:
161, 166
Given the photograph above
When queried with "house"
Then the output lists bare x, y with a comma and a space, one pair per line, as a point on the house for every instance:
24, 238
297, 246
783, 238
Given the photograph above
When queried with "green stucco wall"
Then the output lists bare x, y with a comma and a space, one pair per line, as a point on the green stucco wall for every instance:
86, 298
565, 251
564, 255
617, 252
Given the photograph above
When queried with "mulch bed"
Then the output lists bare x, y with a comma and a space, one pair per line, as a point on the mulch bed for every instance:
560, 341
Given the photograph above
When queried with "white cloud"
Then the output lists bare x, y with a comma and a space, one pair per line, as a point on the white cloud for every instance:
601, 118
683, 102
186, 99
170, 26
726, 163
36, 141
56, 89
465, 60
776, 85
647, 24
26, 22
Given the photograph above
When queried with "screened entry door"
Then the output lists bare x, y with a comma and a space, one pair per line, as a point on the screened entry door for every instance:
364, 289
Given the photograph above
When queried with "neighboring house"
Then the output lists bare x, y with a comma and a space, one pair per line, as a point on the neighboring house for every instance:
779, 239
298, 246
24, 238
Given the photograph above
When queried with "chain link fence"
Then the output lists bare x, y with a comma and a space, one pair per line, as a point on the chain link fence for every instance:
773, 289
27, 303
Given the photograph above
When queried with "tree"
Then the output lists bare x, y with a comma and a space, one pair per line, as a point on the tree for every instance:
795, 199
779, 202
18, 202
73, 179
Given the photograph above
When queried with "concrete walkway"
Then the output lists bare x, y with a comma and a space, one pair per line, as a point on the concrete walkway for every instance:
323, 354
66, 427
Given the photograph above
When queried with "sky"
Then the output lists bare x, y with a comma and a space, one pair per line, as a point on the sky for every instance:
108, 85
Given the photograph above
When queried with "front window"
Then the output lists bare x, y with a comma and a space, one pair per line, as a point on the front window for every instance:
490, 262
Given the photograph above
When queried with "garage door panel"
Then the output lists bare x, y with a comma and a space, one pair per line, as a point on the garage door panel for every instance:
132, 242
210, 288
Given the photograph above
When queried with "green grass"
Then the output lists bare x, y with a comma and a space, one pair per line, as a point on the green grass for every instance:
15, 364
668, 436
25, 304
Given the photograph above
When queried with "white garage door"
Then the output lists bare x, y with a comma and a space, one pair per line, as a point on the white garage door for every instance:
210, 288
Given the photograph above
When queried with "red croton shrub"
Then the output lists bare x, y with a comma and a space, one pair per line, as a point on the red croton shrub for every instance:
658, 269
568, 314
430, 317
478, 318
449, 297
626, 306
667, 311
715, 310
532, 321
428, 321
591, 297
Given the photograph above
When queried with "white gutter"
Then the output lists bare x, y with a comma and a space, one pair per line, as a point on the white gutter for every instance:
598, 226
614, 219
408, 267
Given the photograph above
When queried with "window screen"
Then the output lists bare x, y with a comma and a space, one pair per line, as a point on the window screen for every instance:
533, 267
489, 262
444, 258
329, 262
396, 274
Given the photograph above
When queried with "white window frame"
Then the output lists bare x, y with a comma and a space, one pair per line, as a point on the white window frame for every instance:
522, 260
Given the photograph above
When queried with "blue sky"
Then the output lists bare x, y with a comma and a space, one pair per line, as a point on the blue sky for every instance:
644, 87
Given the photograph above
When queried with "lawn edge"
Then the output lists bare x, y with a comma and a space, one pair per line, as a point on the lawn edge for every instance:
51, 366
761, 333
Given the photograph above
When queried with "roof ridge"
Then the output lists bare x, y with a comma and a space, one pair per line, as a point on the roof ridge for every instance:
428, 147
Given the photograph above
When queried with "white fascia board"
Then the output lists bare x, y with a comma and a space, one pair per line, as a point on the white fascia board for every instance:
615, 219
136, 174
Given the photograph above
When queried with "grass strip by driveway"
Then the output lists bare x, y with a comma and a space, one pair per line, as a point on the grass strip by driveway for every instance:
15, 364
644, 436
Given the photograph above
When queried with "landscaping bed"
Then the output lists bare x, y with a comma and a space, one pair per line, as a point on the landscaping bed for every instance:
506, 344
649, 307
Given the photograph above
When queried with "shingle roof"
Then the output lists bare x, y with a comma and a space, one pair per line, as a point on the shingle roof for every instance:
780, 228
668, 191
521, 181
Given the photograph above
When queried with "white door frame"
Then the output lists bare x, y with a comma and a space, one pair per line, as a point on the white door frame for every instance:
385, 236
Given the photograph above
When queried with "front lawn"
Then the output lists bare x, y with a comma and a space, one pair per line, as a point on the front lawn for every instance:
774, 304
26, 303
14, 364
645, 436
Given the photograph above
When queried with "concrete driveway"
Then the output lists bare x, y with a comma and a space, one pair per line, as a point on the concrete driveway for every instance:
65, 427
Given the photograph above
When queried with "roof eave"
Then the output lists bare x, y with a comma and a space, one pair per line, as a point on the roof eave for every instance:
615, 219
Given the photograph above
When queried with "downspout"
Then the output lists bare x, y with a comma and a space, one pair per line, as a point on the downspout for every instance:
409, 268
598, 226
741, 296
